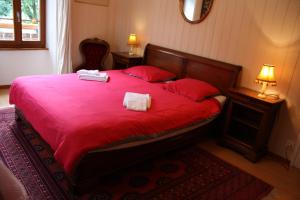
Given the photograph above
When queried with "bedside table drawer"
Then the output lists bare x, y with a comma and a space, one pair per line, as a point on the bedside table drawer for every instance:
135, 61
254, 103
123, 60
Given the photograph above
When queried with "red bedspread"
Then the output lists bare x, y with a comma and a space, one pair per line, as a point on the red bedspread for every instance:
75, 116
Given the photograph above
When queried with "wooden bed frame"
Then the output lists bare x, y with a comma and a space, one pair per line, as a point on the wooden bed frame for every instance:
98, 163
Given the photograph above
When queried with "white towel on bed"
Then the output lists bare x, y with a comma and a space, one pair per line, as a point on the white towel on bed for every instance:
103, 77
87, 72
137, 105
137, 101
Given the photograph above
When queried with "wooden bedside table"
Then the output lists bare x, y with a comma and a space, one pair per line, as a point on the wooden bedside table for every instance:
123, 60
249, 122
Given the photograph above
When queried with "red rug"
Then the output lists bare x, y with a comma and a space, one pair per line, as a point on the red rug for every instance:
190, 173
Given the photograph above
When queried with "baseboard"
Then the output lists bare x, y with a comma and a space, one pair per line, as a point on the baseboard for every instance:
279, 159
4, 86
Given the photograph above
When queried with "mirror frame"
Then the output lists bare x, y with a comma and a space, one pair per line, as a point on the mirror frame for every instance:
181, 2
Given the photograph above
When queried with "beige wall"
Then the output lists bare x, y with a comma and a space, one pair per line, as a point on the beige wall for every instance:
23, 63
245, 32
88, 21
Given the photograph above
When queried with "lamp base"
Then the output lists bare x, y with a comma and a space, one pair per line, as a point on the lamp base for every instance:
261, 95
131, 50
272, 94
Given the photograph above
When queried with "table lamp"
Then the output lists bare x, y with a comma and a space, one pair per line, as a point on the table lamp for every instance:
266, 77
132, 42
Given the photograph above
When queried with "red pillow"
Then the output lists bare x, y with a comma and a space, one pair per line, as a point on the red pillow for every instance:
150, 73
193, 89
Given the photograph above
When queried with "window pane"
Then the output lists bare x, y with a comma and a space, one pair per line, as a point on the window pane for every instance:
30, 20
6, 20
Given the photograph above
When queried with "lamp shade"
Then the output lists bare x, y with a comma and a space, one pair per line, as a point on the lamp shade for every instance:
132, 39
267, 75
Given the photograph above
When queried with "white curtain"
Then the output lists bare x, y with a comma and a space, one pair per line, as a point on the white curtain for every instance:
63, 34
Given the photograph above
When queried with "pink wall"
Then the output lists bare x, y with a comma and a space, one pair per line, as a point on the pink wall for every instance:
249, 33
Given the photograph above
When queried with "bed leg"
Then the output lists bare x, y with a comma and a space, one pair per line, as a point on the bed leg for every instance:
17, 117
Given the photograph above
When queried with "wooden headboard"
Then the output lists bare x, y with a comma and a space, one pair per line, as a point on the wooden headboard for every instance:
220, 74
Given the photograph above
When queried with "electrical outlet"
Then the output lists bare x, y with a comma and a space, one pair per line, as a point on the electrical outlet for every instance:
289, 149
290, 145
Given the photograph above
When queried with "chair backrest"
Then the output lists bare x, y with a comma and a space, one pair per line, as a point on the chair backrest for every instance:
94, 52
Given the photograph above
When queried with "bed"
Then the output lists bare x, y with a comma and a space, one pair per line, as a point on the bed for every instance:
98, 151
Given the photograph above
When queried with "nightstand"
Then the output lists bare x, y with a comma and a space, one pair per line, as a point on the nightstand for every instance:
249, 122
123, 60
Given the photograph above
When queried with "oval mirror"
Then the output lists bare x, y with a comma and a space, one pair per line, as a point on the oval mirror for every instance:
195, 11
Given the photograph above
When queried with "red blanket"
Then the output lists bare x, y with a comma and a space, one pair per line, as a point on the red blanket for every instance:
75, 116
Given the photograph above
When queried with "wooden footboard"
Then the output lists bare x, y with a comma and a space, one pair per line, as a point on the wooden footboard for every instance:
94, 165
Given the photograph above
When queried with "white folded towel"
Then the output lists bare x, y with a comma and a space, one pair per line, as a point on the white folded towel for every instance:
87, 72
103, 77
136, 101
137, 105
93, 78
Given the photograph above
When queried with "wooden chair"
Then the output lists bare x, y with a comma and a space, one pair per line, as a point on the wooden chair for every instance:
94, 53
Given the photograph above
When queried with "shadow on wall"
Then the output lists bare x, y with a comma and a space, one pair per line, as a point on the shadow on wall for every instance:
285, 129
284, 58
276, 40
284, 33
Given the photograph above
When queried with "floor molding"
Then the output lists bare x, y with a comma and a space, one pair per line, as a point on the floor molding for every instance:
285, 162
4, 86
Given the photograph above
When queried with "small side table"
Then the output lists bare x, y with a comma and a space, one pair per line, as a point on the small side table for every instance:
249, 122
122, 60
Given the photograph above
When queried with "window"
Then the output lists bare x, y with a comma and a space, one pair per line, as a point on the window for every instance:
22, 23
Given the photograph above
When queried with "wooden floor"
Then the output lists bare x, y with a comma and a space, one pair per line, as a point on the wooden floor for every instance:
4, 98
272, 170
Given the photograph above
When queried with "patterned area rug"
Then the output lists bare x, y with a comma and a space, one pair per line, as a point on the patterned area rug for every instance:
190, 173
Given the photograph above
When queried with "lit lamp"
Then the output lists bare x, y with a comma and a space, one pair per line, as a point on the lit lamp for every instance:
132, 41
266, 77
